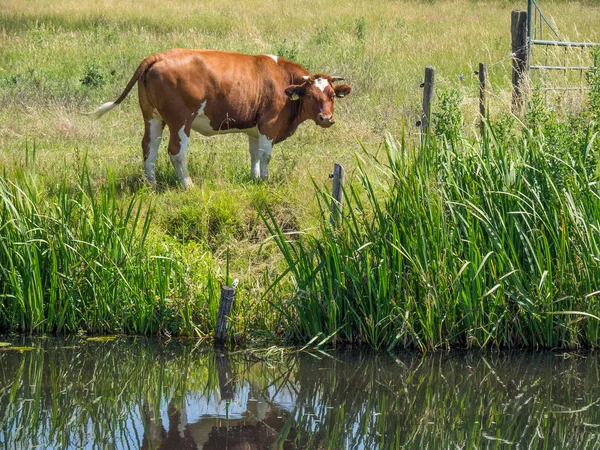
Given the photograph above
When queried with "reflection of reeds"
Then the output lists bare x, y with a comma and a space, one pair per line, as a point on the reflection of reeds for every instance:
446, 401
84, 393
69, 393
492, 243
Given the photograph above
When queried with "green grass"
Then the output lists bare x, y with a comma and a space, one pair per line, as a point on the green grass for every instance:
67, 57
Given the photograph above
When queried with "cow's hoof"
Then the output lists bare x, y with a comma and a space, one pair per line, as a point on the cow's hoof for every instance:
152, 182
187, 183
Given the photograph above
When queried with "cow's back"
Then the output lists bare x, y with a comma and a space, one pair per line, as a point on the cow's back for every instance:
231, 89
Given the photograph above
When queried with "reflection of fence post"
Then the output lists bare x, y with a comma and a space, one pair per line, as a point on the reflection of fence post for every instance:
482, 94
520, 53
225, 376
427, 95
227, 297
337, 195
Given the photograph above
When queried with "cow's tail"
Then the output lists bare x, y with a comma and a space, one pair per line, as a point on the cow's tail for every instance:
139, 73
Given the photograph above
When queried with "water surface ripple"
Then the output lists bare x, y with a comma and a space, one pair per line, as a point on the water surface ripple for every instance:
138, 393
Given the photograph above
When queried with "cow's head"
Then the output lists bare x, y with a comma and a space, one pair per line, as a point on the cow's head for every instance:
317, 93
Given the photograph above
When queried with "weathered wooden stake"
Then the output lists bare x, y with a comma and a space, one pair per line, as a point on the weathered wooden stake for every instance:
482, 94
427, 96
225, 375
337, 194
520, 52
227, 297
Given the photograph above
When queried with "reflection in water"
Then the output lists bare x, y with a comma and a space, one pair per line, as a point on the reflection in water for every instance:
141, 394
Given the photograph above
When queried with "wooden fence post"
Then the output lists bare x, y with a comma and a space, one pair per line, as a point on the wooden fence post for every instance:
227, 297
482, 94
520, 53
337, 195
427, 96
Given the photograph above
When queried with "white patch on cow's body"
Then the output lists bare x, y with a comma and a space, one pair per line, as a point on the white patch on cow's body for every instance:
321, 83
156, 130
179, 160
273, 57
201, 124
101, 110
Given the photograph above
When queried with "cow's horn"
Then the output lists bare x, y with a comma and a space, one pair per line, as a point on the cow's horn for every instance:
337, 78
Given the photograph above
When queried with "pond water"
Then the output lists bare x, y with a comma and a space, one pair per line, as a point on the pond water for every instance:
136, 393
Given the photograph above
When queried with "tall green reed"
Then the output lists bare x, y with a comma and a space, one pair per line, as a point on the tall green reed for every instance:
456, 243
79, 260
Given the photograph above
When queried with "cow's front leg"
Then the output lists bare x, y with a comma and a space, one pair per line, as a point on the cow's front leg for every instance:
178, 144
265, 148
254, 158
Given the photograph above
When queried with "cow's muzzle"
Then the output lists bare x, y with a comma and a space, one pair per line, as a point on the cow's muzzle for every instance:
324, 120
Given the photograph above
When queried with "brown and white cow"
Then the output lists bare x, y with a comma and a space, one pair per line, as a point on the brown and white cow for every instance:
216, 92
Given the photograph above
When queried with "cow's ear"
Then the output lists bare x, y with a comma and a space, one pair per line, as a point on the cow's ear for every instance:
342, 90
294, 92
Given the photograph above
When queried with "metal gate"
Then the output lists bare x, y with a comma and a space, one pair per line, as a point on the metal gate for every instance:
542, 34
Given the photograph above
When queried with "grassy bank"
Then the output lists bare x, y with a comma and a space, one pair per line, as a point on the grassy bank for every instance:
455, 243
89, 247
80, 260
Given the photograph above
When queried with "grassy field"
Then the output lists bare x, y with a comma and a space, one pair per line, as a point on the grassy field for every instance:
66, 57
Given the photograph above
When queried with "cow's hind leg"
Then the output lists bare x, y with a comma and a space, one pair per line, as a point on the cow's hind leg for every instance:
150, 143
178, 143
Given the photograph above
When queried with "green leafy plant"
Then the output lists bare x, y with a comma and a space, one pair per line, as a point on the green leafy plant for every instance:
93, 75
